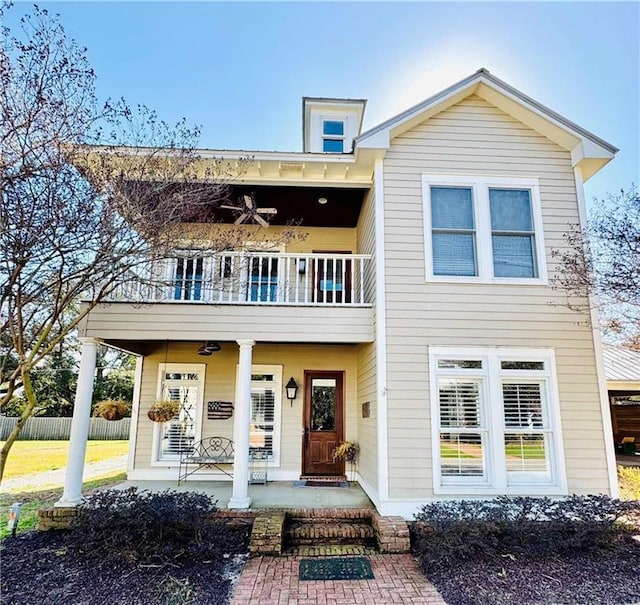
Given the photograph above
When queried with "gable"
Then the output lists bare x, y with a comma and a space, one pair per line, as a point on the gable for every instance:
588, 152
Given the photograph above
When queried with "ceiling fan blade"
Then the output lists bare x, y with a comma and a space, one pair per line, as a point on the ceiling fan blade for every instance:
248, 201
260, 220
230, 208
240, 219
267, 210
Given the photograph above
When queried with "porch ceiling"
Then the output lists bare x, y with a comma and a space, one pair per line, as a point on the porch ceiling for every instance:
300, 204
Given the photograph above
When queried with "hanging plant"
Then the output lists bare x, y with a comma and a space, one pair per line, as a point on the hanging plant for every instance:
112, 409
163, 410
346, 450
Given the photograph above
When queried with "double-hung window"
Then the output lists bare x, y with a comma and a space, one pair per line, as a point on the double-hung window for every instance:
483, 229
333, 134
495, 421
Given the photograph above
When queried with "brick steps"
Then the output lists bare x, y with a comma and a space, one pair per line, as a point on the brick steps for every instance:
326, 532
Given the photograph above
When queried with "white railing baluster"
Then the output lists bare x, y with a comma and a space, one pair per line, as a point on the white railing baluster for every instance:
249, 277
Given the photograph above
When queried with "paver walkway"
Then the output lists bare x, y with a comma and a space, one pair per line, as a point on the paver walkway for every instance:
274, 581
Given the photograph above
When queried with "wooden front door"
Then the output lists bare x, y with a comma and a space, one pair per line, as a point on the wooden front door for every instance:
323, 418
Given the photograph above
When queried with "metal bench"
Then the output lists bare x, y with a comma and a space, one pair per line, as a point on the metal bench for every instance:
210, 452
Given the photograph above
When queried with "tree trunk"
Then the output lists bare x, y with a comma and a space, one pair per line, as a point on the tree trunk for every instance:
26, 414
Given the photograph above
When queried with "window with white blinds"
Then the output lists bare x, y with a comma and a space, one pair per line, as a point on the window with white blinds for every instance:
266, 400
496, 428
182, 383
484, 229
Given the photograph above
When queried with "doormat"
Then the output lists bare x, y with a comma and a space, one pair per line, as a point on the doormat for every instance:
311, 483
336, 568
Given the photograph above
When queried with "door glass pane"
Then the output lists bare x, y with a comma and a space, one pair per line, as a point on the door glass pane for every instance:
323, 404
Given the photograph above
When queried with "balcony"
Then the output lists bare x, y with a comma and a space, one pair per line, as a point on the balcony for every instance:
250, 278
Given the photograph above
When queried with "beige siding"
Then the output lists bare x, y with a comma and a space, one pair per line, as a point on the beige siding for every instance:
475, 138
192, 321
367, 244
367, 427
220, 385
367, 368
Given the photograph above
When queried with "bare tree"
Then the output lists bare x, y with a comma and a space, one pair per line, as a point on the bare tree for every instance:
603, 261
89, 192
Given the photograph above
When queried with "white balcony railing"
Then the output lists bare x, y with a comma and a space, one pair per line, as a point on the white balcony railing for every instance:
252, 278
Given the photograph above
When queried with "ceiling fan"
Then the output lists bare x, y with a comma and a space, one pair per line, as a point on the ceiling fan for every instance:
249, 210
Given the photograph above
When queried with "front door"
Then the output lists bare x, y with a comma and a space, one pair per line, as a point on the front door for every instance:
323, 418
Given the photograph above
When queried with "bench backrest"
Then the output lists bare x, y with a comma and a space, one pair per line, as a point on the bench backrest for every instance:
213, 447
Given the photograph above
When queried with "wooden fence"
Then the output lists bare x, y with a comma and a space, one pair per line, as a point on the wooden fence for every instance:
42, 428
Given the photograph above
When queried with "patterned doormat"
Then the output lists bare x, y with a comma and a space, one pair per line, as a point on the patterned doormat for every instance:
336, 568
311, 483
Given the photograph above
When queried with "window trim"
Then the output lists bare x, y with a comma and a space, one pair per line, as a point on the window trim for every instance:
492, 377
480, 186
201, 369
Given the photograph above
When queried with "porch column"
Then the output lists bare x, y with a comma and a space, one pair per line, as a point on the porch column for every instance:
240, 496
72, 495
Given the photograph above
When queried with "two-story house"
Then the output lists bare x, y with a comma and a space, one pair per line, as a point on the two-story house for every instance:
416, 318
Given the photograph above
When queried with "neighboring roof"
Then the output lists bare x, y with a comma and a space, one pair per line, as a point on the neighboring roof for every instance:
585, 146
621, 364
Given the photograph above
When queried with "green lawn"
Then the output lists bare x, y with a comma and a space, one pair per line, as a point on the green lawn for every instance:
34, 500
29, 457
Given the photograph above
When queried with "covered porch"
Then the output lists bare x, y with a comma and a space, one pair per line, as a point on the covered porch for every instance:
272, 495
297, 438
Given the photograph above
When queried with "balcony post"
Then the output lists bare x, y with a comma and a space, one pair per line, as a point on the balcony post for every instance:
240, 495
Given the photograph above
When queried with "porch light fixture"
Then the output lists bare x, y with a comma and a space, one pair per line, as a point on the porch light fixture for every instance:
302, 266
292, 389
209, 347
322, 201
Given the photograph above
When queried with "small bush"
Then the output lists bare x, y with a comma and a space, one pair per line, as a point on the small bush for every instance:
145, 527
448, 532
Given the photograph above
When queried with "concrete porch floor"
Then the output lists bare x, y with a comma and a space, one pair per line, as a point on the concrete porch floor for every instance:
275, 494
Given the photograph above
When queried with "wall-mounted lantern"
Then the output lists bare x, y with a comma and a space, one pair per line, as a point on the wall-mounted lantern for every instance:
292, 389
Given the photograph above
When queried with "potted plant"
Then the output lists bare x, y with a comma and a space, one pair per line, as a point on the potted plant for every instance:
346, 450
163, 410
112, 409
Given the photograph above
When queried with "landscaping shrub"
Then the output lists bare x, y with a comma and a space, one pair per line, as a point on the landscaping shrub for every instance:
146, 528
448, 532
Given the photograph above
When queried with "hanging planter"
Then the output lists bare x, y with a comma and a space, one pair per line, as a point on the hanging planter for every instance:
163, 410
112, 409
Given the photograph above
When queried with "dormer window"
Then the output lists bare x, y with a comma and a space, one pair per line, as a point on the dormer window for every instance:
333, 136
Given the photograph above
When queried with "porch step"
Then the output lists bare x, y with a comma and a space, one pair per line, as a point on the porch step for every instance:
328, 532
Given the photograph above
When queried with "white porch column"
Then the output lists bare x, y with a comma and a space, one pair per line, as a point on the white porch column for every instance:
72, 495
240, 496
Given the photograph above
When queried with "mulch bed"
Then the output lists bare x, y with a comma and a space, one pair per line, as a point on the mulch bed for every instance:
38, 569
602, 577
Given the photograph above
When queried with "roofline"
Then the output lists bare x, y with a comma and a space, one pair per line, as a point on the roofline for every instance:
233, 154
333, 99
483, 75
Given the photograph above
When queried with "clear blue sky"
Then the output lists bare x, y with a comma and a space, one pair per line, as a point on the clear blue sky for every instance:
240, 69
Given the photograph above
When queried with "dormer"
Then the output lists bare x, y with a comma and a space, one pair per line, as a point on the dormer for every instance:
330, 125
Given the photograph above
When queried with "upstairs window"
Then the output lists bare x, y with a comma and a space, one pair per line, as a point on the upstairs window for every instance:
483, 229
512, 233
333, 136
453, 236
